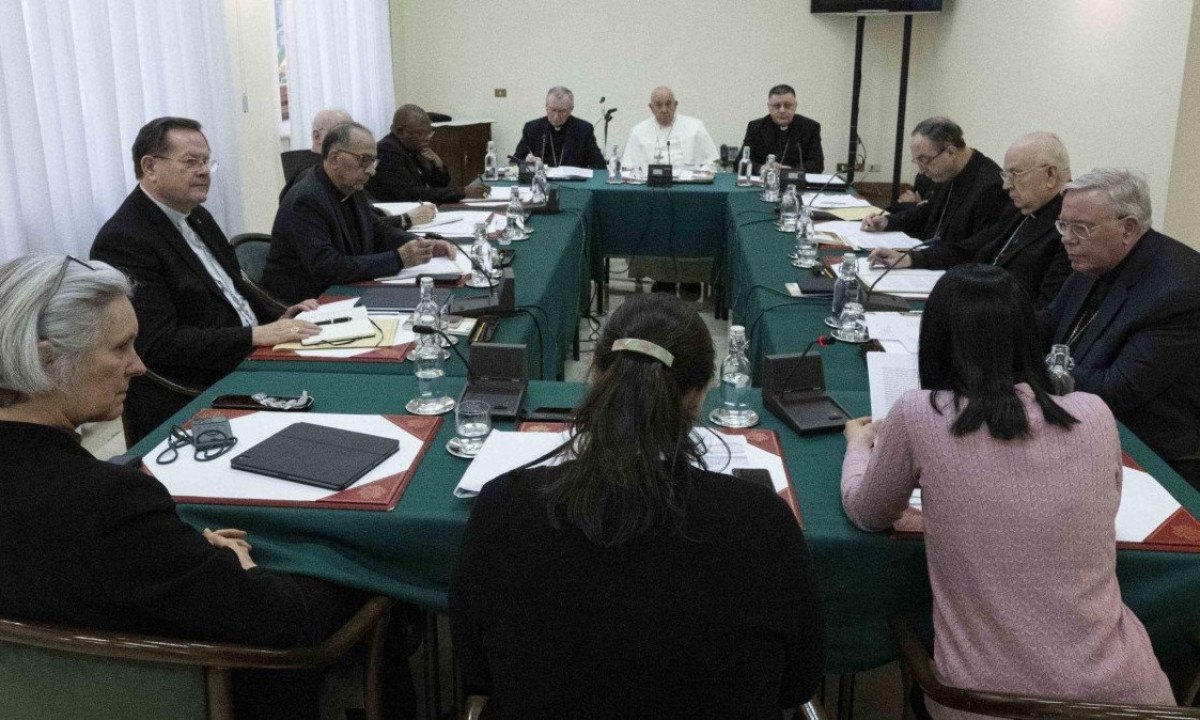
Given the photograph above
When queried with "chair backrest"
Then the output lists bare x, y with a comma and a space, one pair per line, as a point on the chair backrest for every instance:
296, 160
918, 667
252, 249
62, 673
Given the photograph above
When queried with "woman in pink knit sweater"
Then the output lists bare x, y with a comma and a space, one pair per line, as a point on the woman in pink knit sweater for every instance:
1019, 491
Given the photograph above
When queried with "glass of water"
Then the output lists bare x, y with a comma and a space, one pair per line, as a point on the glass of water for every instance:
473, 422
852, 325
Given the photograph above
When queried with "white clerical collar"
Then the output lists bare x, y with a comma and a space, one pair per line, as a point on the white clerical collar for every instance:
172, 214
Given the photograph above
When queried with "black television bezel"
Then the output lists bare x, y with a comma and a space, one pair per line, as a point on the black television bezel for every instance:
872, 7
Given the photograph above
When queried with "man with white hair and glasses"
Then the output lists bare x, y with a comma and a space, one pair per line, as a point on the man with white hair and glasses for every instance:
1130, 314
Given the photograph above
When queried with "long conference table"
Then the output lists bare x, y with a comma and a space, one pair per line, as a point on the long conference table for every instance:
410, 551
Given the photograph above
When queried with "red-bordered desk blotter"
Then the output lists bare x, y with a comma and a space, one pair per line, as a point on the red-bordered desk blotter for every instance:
381, 494
1180, 532
766, 440
392, 353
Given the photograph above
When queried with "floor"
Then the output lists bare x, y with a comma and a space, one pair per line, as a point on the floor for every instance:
877, 693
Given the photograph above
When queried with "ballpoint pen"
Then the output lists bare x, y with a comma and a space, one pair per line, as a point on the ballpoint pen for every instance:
334, 321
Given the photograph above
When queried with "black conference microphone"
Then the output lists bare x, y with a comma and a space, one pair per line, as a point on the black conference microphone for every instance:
823, 341
542, 155
609, 113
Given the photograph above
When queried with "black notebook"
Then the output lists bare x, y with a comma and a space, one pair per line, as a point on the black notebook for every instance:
317, 455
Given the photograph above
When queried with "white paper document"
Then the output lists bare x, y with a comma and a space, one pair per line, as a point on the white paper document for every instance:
820, 179
496, 193
568, 172
900, 327
1145, 505
833, 200
397, 208
505, 450
905, 282
456, 224
187, 477
860, 239
439, 265
890, 375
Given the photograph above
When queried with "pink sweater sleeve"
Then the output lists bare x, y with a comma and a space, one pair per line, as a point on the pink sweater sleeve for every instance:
876, 484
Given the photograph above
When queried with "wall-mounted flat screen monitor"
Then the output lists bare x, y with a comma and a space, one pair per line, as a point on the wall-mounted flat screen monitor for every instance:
865, 7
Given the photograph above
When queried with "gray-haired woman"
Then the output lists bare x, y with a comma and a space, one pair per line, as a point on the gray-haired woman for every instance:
91, 544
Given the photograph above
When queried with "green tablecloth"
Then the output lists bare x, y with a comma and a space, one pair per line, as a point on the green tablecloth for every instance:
874, 574
551, 274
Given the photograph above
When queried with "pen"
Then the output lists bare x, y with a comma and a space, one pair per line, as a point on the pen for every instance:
334, 321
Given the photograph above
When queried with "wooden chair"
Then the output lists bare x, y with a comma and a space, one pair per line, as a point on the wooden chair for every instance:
916, 666
473, 709
50, 671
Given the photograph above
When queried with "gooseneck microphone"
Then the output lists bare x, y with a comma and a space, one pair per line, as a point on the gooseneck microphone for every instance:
832, 177
891, 266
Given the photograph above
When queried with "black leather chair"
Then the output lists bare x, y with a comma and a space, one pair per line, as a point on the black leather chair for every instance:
296, 160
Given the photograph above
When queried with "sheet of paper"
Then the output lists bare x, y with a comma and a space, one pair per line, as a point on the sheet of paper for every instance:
505, 450
441, 219
900, 327
397, 208
186, 477
329, 311
566, 172
819, 179
437, 266
906, 282
833, 200
860, 239
503, 193
890, 375
358, 326
1145, 505
463, 224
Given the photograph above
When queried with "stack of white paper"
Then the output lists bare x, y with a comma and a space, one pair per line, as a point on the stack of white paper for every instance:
820, 179
896, 331
504, 451
397, 208
568, 172
1145, 505
456, 224
833, 200
860, 239
905, 282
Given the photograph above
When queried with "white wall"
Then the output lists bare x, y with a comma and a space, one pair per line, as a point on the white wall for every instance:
1104, 74
1183, 222
251, 30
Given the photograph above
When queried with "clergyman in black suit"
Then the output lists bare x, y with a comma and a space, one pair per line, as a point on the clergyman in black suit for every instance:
197, 316
1024, 240
1130, 314
560, 138
793, 139
409, 169
325, 233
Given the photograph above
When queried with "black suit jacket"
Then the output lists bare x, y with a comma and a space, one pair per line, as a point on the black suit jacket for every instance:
187, 331
574, 144
313, 246
404, 177
801, 140
1139, 351
962, 207
1036, 257
95, 545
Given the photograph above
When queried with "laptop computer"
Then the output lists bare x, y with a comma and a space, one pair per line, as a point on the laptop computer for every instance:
317, 455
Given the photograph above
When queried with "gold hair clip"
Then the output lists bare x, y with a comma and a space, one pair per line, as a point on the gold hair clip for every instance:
645, 347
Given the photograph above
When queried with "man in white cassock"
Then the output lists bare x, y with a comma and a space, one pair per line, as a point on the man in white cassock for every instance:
668, 138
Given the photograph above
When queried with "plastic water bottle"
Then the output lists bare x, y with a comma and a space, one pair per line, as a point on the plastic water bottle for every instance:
745, 168
481, 255
789, 210
770, 180
427, 312
845, 290
614, 166
806, 241
540, 183
735, 384
514, 229
490, 171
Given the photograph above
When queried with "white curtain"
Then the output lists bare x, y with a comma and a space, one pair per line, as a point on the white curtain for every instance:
339, 55
78, 78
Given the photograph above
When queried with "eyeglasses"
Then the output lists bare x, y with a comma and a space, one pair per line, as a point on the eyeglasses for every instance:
1010, 175
192, 164
365, 160
923, 161
1081, 230
60, 276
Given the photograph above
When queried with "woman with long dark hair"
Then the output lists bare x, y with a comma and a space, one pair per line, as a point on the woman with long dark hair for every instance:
629, 581
1019, 490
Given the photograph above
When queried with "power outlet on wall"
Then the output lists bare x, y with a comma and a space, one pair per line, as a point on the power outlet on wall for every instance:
858, 167
501, 92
